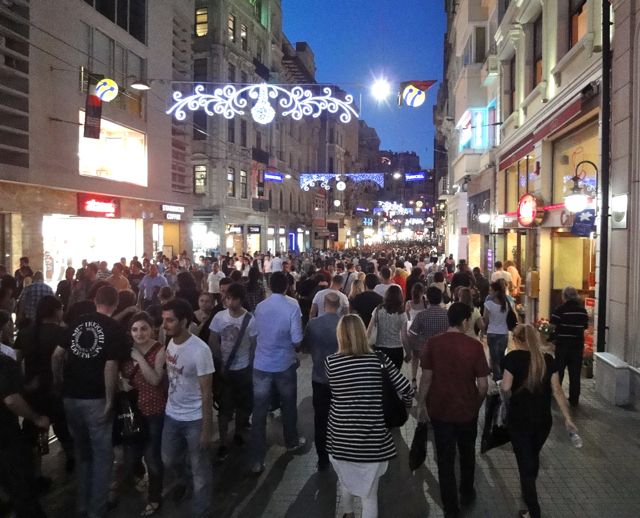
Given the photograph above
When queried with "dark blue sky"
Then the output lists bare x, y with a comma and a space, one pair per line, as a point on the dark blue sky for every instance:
357, 40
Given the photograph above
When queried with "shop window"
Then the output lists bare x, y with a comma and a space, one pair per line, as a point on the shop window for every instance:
199, 125
232, 73
231, 28
202, 21
536, 73
582, 144
243, 133
231, 130
577, 21
244, 37
244, 191
231, 182
200, 179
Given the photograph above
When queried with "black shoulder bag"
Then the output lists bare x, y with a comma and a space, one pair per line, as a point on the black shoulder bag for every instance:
395, 413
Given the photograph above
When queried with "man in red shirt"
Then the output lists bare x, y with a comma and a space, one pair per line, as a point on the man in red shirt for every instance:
453, 386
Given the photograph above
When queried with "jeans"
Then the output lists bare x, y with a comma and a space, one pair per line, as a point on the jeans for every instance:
285, 384
527, 443
236, 395
182, 438
570, 356
395, 355
16, 476
447, 436
152, 452
321, 404
91, 433
497, 347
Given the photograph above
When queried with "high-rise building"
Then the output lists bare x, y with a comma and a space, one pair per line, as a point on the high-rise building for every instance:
65, 196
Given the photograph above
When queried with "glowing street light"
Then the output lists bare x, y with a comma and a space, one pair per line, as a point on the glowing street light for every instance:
397, 175
381, 89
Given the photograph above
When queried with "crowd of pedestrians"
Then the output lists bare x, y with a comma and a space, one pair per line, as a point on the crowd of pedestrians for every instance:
143, 359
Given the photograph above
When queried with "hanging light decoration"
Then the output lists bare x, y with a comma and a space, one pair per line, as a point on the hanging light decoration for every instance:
341, 186
577, 200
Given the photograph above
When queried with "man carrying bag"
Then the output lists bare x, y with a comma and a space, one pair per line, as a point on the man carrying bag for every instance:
232, 340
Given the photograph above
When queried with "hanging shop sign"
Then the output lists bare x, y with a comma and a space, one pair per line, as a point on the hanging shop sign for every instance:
172, 208
107, 90
273, 177
253, 229
93, 205
296, 102
584, 223
92, 110
530, 212
414, 177
173, 216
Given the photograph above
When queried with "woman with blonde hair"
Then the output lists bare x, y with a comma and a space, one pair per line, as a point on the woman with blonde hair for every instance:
531, 379
357, 287
358, 442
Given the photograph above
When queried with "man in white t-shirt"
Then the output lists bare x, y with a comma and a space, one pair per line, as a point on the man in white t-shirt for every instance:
276, 263
385, 276
237, 389
189, 413
317, 305
499, 273
213, 280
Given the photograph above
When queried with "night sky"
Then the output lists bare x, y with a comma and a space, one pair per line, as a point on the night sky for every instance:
357, 40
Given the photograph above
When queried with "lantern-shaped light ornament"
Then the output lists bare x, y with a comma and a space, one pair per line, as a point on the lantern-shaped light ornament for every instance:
341, 186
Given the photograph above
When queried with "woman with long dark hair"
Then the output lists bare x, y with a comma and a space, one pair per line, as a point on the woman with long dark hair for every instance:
495, 319
531, 379
391, 322
187, 289
145, 374
36, 343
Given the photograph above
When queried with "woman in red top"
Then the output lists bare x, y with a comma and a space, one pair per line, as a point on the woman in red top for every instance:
145, 373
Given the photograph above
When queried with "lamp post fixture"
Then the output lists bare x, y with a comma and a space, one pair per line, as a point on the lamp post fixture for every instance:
578, 200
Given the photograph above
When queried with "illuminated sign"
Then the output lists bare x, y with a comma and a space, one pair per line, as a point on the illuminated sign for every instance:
273, 177
172, 208
361, 209
414, 177
94, 205
530, 213
253, 229
472, 128
271, 231
173, 216
107, 90
367, 222
234, 229
282, 231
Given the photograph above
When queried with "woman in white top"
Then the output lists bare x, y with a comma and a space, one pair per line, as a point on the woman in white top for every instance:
391, 322
495, 318
416, 304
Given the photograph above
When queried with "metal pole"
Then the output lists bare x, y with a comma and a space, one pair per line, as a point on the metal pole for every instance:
604, 175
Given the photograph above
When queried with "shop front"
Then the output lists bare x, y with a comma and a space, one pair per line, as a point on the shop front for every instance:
234, 239
254, 238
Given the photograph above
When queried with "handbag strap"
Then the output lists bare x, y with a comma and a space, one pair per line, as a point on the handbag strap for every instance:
236, 346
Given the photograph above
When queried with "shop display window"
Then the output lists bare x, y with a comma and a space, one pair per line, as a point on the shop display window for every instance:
567, 152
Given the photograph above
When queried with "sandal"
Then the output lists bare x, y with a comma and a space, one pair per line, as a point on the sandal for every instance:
141, 484
151, 509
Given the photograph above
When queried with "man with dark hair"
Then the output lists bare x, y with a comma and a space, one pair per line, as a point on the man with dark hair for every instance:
279, 324
234, 325
317, 304
150, 286
385, 276
364, 303
29, 298
87, 365
321, 341
85, 283
482, 283
188, 421
431, 321
22, 273
453, 386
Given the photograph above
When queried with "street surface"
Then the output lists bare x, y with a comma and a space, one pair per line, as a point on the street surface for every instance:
600, 480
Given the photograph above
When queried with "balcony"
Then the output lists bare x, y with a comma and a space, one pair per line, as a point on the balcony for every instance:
261, 69
490, 70
466, 164
258, 155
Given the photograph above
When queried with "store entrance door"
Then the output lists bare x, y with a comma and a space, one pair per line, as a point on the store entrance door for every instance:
574, 264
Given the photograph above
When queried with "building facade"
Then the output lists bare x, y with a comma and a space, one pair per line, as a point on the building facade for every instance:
65, 197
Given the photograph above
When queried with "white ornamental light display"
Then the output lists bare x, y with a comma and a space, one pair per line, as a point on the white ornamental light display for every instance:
230, 102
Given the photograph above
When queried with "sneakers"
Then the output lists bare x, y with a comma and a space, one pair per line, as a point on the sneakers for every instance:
301, 444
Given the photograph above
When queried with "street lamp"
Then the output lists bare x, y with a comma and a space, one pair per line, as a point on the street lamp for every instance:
577, 200
397, 175
484, 217
381, 89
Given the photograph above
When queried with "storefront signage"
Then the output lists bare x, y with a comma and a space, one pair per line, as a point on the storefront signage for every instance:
173, 208
253, 229
273, 177
172, 216
530, 213
282, 231
234, 229
584, 223
98, 206
414, 177
271, 231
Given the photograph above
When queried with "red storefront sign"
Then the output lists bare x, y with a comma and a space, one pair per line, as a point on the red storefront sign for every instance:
94, 205
529, 212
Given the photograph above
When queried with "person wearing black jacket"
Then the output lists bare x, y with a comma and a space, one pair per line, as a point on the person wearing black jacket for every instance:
570, 320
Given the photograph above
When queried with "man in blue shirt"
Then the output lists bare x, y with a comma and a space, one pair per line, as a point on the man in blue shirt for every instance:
150, 286
279, 325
